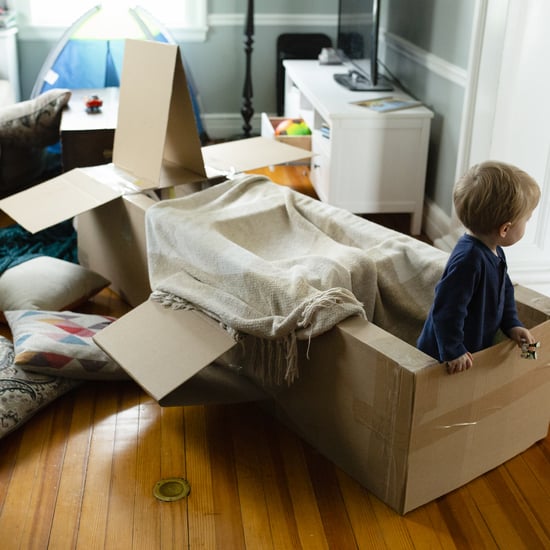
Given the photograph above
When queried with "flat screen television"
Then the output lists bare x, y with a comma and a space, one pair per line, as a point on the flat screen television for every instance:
357, 45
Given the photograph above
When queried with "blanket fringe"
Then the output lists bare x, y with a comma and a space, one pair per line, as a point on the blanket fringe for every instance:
272, 361
173, 301
328, 298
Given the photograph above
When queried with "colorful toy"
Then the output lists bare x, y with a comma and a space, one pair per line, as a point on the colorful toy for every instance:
529, 351
292, 127
93, 104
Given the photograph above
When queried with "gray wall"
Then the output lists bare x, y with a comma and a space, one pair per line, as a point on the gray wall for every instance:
425, 29
441, 29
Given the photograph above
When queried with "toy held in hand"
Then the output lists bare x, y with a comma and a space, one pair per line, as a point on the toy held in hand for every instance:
292, 127
529, 351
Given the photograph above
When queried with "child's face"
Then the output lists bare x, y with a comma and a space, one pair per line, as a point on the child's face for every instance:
516, 231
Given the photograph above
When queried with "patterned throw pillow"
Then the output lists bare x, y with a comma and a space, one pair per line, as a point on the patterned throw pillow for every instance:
34, 122
61, 344
27, 128
47, 283
22, 393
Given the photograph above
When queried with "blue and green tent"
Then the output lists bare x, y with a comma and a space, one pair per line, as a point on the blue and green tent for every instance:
90, 52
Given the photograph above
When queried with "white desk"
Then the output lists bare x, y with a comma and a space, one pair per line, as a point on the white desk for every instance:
372, 162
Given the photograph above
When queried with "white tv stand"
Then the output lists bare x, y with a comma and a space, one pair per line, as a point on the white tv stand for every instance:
370, 162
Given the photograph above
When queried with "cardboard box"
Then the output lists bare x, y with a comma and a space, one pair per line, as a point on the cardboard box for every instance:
400, 425
268, 126
156, 146
380, 409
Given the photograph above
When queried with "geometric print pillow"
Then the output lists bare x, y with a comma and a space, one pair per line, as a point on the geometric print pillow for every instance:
61, 344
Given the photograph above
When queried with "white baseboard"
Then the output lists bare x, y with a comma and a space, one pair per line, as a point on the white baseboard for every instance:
228, 125
436, 224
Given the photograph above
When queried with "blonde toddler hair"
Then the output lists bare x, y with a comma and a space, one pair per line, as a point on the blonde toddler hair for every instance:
493, 193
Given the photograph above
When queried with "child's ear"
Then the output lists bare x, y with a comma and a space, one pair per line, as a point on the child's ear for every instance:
503, 229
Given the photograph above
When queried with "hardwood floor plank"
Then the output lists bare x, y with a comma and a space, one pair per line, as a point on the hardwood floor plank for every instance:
539, 462
122, 490
173, 518
517, 510
336, 523
361, 513
225, 491
428, 522
8, 462
304, 504
249, 449
45, 493
66, 518
283, 519
14, 524
393, 529
200, 506
533, 494
295, 176
495, 512
463, 521
147, 509
95, 502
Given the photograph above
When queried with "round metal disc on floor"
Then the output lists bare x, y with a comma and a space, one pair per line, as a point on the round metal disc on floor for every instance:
170, 489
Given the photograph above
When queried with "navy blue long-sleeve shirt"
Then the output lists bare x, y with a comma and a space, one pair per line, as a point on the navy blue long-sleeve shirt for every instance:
473, 299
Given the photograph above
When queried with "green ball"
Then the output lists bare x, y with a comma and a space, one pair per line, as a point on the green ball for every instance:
292, 127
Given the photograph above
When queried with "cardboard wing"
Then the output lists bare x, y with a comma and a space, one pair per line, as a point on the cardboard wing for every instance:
162, 349
156, 138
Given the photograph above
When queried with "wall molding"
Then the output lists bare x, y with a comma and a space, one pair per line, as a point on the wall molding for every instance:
273, 20
52, 34
430, 62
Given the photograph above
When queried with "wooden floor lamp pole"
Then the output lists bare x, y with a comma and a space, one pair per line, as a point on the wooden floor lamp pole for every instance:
247, 110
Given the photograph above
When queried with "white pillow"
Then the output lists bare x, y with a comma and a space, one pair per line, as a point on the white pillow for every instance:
47, 283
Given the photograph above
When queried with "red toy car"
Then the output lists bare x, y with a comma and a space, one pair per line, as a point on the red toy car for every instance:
93, 104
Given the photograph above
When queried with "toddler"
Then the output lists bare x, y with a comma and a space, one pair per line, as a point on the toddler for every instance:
475, 297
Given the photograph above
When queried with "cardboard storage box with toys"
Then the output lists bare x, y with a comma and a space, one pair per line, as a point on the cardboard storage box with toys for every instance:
301, 137
365, 397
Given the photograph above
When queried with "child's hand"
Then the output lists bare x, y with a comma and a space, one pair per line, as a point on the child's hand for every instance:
521, 335
464, 362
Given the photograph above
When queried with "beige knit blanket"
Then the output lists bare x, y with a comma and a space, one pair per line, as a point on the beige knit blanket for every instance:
264, 261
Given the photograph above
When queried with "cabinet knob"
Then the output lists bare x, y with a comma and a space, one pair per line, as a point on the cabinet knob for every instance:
316, 166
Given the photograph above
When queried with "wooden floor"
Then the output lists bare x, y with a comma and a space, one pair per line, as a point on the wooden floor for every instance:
80, 474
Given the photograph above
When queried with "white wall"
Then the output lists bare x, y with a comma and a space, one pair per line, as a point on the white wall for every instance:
511, 116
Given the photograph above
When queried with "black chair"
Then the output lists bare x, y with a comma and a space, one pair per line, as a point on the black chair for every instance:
296, 46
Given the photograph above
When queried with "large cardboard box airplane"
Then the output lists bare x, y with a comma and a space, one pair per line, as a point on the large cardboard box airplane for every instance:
380, 409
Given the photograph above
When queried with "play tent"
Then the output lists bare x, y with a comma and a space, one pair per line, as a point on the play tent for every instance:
90, 53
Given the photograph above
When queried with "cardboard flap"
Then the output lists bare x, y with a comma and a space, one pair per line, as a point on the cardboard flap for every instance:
161, 348
155, 115
57, 200
249, 154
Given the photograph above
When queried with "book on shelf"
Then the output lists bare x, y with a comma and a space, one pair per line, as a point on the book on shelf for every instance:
387, 104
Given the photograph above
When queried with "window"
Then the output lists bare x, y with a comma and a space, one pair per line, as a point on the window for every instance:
186, 19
